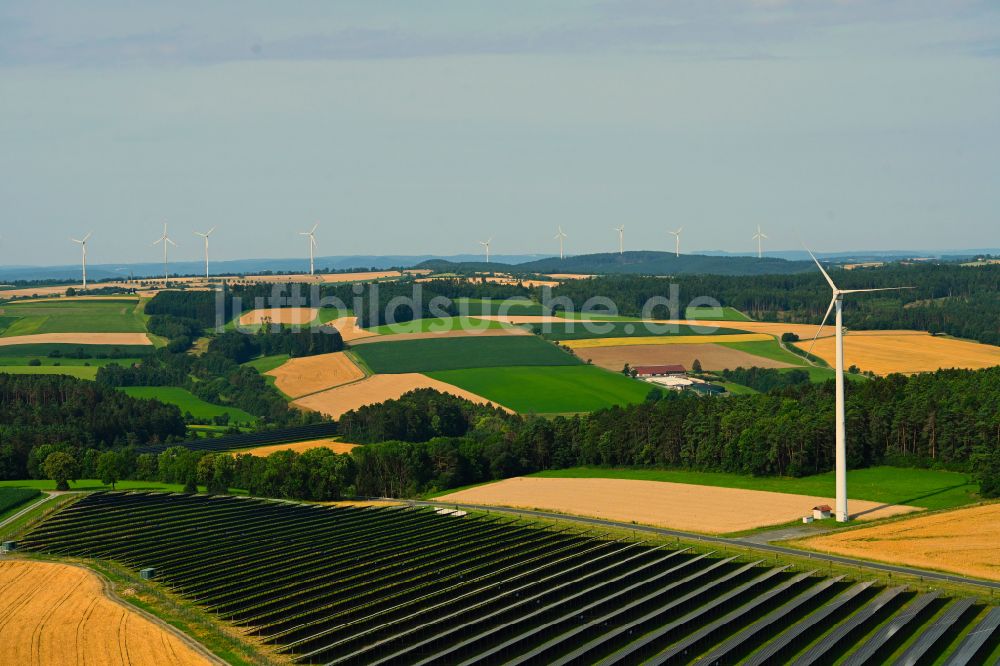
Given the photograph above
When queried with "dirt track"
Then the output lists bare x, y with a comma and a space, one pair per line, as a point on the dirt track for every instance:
712, 357
377, 388
58, 614
963, 541
78, 339
680, 506
308, 374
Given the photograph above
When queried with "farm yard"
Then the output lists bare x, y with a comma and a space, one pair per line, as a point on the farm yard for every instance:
188, 402
428, 586
337, 401
963, 541
301, 376
59, 614
682, 506
548, 390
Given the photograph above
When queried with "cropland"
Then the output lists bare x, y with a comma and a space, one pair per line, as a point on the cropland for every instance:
290, 316
300, 447
884, 352
711, 356
963, 541
188, 402
72, 316
452, 353
309, 374
401, 585
682, 506
59, 614
378, 388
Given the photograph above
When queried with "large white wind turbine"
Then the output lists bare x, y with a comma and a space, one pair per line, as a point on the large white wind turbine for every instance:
677, 240
840, 464
486, 244
312, 244
165, 240
621, 238
759, 236
83, 246
559, 237
205, 236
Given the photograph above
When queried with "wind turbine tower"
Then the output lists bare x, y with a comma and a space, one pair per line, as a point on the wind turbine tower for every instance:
560, 237
759, 236
486, 244
677, 240
165, 239
312, 245
205, 236
621, 239
840, 464
83, 246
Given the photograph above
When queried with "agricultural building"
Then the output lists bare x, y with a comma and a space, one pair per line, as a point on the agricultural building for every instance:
659, 370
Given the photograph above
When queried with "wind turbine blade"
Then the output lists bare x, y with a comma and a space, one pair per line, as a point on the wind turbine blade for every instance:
158, 241
313, 230
209, 232
821, 270
75, 240
861, 291
87, 237
679, 230
821, 324
171, 242
763, 236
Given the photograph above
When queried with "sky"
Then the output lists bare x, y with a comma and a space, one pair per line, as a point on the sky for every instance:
424, 127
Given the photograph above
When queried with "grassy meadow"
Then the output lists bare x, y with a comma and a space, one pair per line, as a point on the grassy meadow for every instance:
83, 316
433, 354
623, 329
440, 325
188, 402
548, 390
720, 314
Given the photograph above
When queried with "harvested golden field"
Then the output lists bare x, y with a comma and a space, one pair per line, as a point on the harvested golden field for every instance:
377, 388
884, 352
682, 506
290, 316
712, 356
804, 331
59, 614
78, 339
301, 447
569, 276
349, 329
962, 541
589, 343
301, 376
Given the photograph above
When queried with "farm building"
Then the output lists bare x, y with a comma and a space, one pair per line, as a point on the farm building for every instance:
673, 383
659, 370
822, 511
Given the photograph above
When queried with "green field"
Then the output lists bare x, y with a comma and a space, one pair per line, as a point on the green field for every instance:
549, 390
13, 500
518, 307
430, 354
264, 364
329, 314
188, 402
768, 349
85, 316
439, 325
44, 349
583, 330
78, 371
930, 489
93, 484
720, 314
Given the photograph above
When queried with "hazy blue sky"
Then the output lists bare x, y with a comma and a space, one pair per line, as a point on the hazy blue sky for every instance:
422, 127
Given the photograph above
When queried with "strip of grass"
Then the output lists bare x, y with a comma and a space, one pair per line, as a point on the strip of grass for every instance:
549, 390
930, 489
720, 314
517, 307
188, 402
60, 361
267, 363
78, 371
587, 330
435, 325
431, 354
86, 316
329, 314
92, 484
768, 349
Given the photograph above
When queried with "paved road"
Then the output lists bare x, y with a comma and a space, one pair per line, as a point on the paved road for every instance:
730, 542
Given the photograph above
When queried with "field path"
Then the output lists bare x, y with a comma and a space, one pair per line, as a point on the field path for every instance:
682, 506
53, 613
78, 339
378, 388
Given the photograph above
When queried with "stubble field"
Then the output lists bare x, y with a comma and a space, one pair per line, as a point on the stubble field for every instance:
309, 374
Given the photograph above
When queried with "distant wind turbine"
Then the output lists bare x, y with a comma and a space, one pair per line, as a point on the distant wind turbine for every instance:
841, 428
205, 236
759, 236
559, 237
165, 240
312, 245
677, 240
621, 238
83, 246
486, 244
